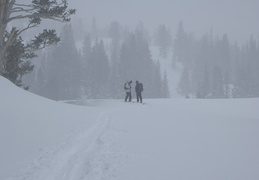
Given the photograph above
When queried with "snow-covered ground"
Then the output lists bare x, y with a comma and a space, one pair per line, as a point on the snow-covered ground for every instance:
181, 139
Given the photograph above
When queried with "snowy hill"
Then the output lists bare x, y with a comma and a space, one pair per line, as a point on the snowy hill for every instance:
183, 139
173, 73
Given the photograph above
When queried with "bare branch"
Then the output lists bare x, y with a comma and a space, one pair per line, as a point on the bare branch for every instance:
38, 49
19, 9
28, 27
23, 5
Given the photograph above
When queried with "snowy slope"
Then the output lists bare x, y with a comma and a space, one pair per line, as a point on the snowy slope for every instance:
108, 139
173, 71
30, 124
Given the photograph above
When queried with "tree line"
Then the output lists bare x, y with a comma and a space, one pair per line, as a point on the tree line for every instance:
213, 67
100, 68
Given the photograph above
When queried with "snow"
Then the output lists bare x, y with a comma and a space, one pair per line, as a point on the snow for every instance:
173, 71
185, 139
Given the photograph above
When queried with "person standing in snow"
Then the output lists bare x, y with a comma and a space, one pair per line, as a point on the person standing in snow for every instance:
138, 90
127, 88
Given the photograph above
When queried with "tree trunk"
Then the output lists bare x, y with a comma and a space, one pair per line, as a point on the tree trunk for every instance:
5, 10
2, 29
1, 63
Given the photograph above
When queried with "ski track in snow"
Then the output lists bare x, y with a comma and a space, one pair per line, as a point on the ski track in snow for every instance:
83, 156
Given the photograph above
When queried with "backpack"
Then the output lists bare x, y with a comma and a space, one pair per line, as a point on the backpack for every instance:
141, 87
125, 87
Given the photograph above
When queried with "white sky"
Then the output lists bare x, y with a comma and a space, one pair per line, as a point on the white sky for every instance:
237, 18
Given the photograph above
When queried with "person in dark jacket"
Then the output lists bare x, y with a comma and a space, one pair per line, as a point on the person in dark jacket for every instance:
138, 90
127, 88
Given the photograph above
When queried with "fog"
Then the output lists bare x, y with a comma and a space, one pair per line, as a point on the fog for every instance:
237, 18
197, 58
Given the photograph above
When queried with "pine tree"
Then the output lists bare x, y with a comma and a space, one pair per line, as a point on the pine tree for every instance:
135, 63
34, 12
184, 86
154, 88
165, 87
99, 71
203, 88
94, 29
114, 84
63, 80
114, 32
85, 64
163, 40
16, 62
217, 90
180, 44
